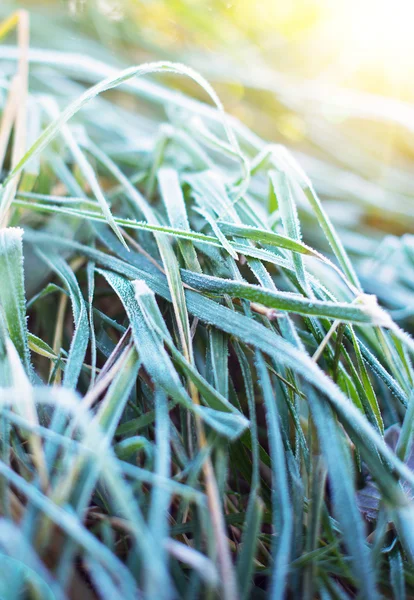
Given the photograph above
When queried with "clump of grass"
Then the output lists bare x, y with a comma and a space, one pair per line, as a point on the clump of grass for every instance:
193, 399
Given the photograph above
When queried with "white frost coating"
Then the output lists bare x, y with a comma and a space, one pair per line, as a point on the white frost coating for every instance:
141, 288
15, 232
371, 307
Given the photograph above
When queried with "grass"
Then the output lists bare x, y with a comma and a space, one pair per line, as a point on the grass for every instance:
196, 401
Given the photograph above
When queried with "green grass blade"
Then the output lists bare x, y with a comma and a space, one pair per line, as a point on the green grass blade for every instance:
12, 293
343, 490
281, 502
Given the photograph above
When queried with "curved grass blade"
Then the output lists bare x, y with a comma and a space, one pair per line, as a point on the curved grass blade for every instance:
113, 81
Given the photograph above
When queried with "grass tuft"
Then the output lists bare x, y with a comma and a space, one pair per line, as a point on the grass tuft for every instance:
200, 359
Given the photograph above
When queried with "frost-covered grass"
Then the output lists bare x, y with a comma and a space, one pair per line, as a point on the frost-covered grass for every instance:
200, 394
